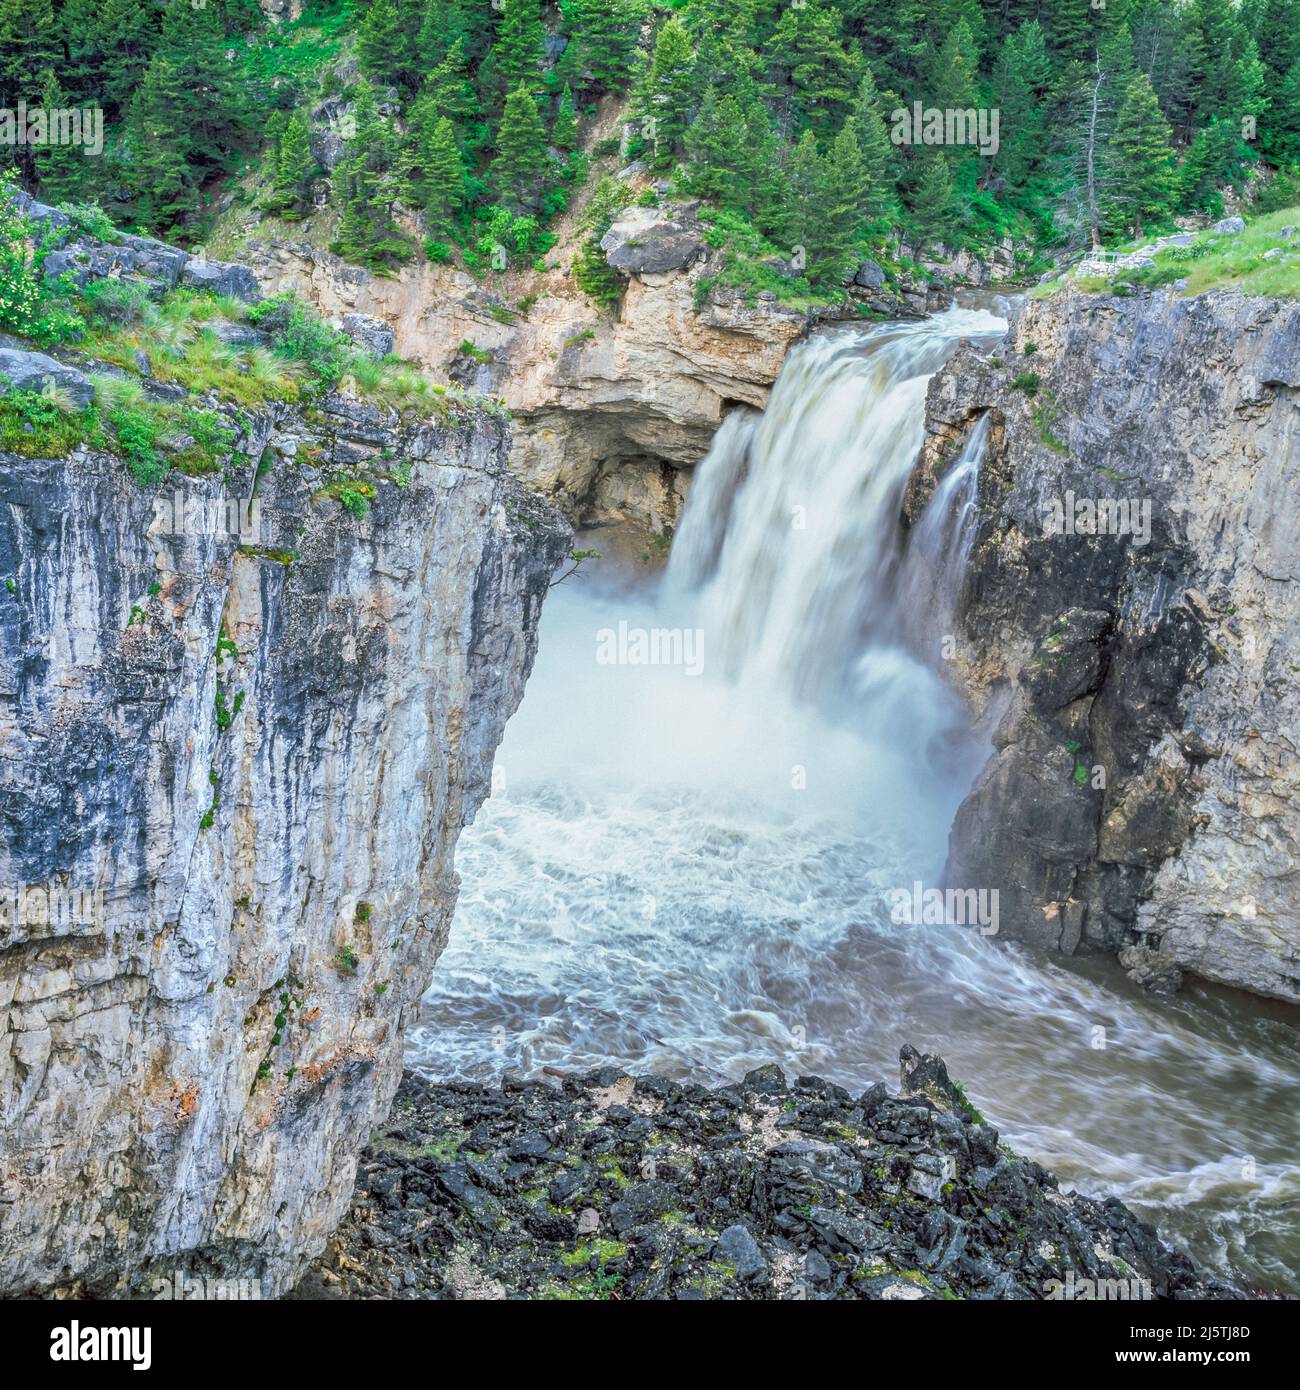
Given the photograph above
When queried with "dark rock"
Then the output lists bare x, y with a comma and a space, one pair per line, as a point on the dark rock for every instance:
736, 1246
765, 1081
216, 277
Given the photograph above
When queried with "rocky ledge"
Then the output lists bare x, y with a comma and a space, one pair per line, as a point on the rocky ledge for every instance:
607, 1186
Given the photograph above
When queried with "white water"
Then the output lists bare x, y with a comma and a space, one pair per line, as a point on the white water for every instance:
689, 873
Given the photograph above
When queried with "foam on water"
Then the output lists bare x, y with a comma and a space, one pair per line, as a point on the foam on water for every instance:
692, 873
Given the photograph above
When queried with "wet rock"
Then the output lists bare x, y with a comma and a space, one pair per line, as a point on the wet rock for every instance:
820, 1217
1154, 972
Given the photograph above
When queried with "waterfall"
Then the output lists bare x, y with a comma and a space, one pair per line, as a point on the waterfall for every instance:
686, 865
792, 539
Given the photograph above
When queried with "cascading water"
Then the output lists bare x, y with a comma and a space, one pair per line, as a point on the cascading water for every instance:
711, 791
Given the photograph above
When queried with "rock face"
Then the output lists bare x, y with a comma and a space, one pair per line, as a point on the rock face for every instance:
243, 730
606, 1186
611, 413
1129, 629
607, 413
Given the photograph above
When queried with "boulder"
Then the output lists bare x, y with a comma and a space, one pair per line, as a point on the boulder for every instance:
653, 241
219, 277
870, 276
1230, 226
33, 371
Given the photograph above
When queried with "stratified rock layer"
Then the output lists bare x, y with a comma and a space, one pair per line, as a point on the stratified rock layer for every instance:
606, 1186
1141, 692
239, 748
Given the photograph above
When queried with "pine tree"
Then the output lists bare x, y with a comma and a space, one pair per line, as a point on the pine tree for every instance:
27, 47
520, 44
442, 23
932, 202
294, 168
878, 204
1142, 187
124, 37
1073, 29
370, 186
1020, 81
808, 52
952, 80
1281, 131
385, 49
715, 150
602, 40
517, 169
564, 128
670, 90
63, 171
158, 141
449, 91
1211, 162
442, 178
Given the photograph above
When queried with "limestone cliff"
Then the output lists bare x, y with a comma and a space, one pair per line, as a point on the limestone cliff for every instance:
1130, 628
611, 411
239, 748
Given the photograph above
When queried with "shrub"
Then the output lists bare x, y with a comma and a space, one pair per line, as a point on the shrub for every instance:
300, 336
29, 305
137, 433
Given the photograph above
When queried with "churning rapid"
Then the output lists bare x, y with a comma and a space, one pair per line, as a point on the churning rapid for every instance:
712, 793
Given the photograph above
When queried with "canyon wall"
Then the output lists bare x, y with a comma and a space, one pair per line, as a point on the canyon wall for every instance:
1140, 690
236, 763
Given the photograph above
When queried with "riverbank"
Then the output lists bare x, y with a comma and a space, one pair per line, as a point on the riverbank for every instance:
606, 1187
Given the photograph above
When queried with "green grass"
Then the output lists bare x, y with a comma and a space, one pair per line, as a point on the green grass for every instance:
1214, 261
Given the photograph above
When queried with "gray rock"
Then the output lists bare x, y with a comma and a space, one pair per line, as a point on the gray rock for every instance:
653, 241
816, 1268
33, 371
372, 335
184, 954
1230, 226
737, 1247
1154, 972
869, 276
1100, 820
218, 277
240, 335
